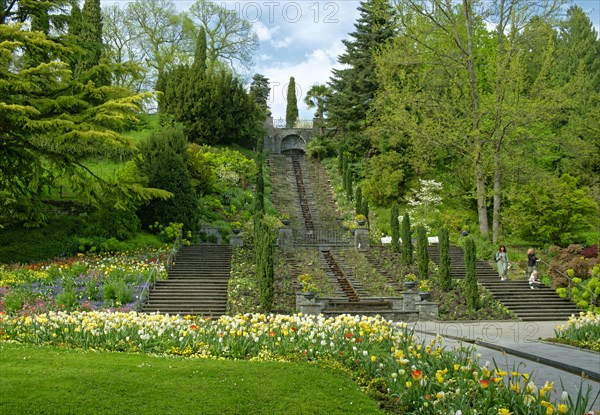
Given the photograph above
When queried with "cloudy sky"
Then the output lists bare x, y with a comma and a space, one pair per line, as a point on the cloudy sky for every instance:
302, 38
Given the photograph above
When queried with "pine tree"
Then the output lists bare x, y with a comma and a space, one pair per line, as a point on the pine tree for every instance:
444, 268
395, 228
407, 249
291, 110
355, 85
422, 253
470, 281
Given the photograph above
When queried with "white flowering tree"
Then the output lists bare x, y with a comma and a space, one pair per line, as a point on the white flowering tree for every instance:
423, 206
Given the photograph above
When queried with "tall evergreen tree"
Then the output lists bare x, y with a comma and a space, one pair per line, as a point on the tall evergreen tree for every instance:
407, 248
51, 122
422, 253
395, 227
260, 90
578, 46
91, 31
444, 268
358, 201
163, 162
470, 282
200, 52
291, 110
354, 86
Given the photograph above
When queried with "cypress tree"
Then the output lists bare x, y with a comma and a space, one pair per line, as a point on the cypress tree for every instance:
365, 208
422, 253
358, 201
470, 283
265, 269
341, 165
444, 269
349, 191
406, 252
344, 171
291, 110
395, 228
200, 52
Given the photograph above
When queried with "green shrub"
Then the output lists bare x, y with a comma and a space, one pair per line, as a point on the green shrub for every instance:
116, 291
67, 299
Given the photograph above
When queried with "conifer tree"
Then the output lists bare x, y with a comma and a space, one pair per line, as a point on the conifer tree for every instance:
395, 228
407, 249
422, 253
354, 86
260, 90
349, 187
365, 208
358, 205
200, 52
444, 268
470, 281
291, 110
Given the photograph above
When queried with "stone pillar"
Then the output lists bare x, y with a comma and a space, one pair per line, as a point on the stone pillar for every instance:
361, 239
309, 304
410, 300
285, 238
428, 310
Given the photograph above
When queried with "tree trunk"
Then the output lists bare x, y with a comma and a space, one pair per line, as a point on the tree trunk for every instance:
484, 227
497, 198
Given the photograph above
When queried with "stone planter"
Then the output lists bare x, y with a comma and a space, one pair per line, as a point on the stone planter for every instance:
361, 222
286, 222
236, 231
309, 295
410, 284
425, 295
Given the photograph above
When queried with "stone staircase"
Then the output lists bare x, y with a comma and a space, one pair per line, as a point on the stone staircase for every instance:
541, 304
322, 230
196, 284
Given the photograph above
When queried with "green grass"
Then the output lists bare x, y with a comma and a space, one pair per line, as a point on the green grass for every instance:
49, 380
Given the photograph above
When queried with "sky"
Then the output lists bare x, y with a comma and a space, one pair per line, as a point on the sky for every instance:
303, 39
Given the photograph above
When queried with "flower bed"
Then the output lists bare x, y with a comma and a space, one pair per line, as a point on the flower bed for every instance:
383, 356
83, 282
581, 331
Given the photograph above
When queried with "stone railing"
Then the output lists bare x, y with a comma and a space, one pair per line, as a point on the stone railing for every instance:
280, 123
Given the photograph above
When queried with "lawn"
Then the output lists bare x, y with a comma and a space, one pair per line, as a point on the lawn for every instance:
50, 380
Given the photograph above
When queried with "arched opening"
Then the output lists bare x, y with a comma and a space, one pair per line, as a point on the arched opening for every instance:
293, 144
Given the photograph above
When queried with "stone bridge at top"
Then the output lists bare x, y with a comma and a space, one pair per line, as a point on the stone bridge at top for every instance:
283, 140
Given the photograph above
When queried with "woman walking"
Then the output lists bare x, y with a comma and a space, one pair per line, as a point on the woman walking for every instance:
502, 261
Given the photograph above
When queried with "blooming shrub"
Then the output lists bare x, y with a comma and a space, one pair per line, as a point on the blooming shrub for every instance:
422, 378
582, 331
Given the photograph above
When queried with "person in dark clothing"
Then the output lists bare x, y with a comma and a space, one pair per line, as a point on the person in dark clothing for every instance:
531, 262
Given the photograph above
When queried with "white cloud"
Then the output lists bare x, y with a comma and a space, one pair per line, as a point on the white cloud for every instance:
281, 43
263, 32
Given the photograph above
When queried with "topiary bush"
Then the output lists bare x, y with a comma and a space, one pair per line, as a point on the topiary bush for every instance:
422, 253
